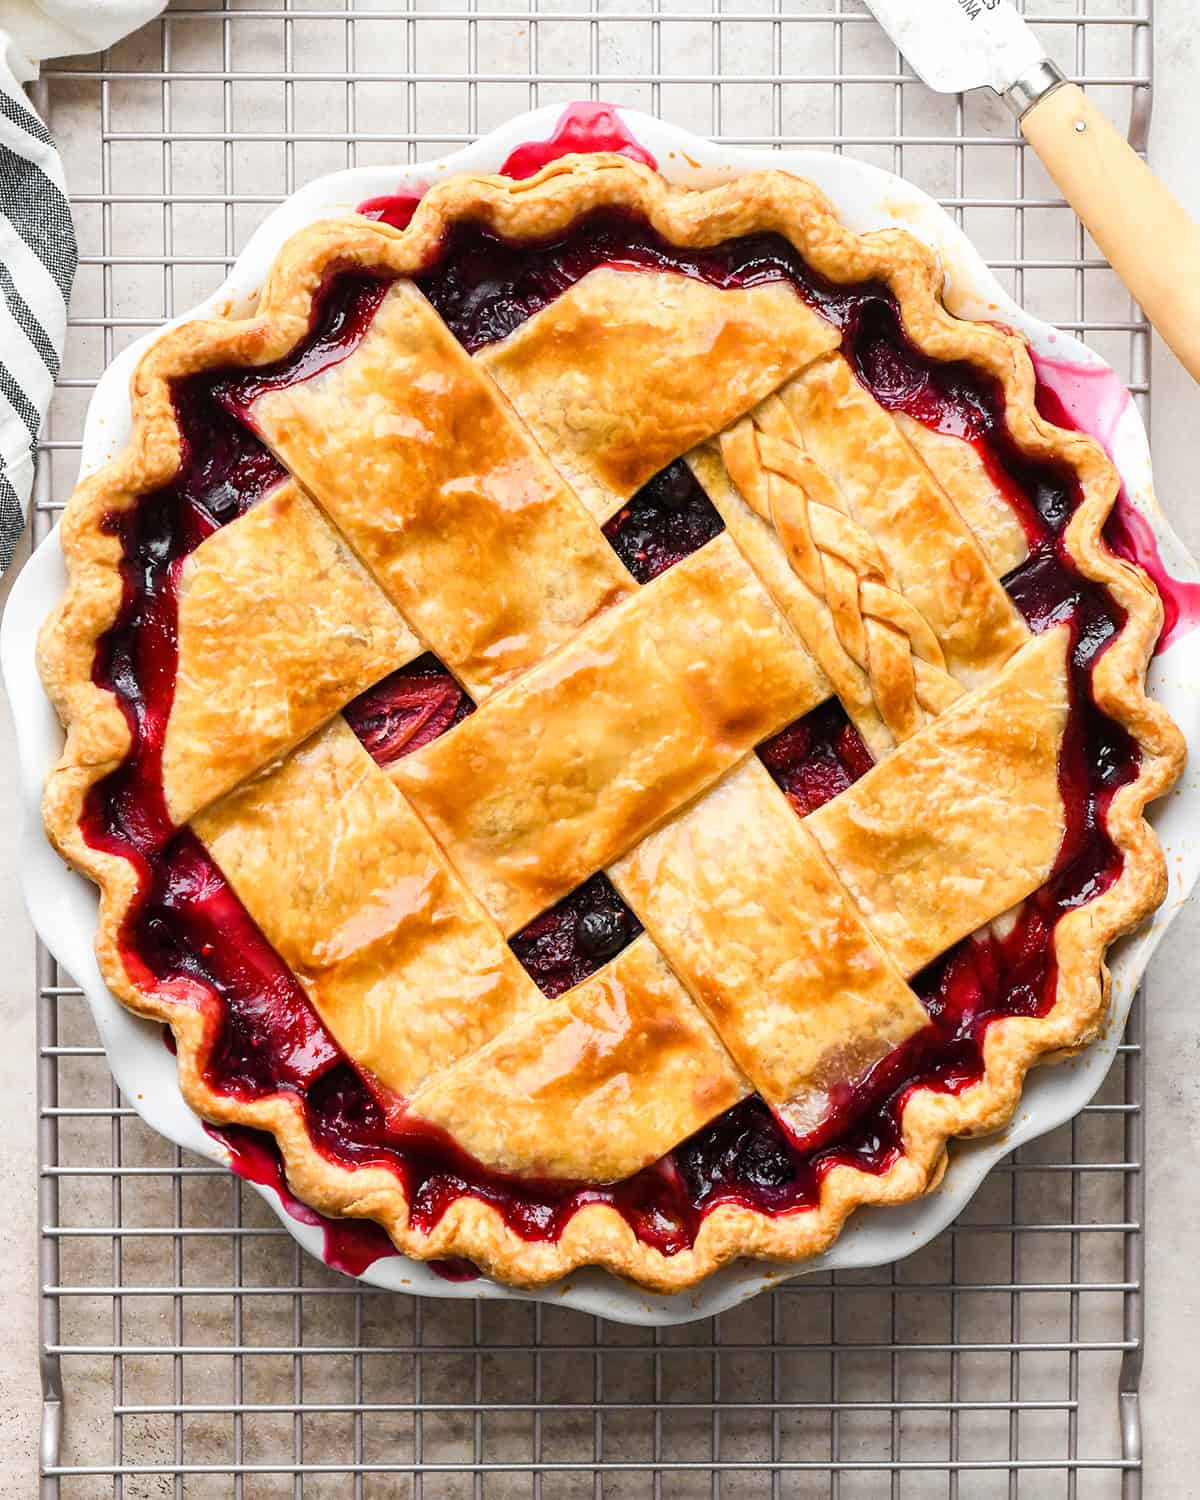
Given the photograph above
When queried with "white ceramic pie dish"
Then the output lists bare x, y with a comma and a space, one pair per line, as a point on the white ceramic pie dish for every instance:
63, 903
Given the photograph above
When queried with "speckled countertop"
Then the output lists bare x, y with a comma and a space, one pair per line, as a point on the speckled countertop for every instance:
1173, 1014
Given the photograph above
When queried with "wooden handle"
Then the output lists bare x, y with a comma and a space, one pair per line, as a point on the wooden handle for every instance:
1150, 240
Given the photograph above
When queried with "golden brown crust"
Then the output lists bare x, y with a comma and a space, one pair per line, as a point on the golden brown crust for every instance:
857, 620
960, 470
629, 369
749, 913
279, 625
97, 736
886, 488
352, 892
963, 820
594, 1088
366, 439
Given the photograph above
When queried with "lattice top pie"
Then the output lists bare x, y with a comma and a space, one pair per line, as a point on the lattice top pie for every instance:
605, 721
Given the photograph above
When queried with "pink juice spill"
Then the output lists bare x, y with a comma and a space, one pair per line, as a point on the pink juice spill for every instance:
1093, 400
395, 209
584, 126
351, 1245
454, 1269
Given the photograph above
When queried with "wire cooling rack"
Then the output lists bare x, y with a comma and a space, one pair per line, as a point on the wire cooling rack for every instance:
189, 1347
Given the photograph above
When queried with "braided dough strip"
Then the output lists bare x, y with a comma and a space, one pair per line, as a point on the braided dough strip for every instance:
881, 645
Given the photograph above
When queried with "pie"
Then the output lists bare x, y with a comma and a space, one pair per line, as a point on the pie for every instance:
605, 721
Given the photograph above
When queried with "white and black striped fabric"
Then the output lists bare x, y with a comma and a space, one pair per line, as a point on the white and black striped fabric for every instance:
37, 265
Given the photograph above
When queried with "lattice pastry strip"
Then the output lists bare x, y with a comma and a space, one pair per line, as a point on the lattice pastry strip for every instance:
279, 625
743, 902
960, 469
627, 370
892, 494
856, 594
963, 820
877, 629
604, 1081
440, 490
350, 889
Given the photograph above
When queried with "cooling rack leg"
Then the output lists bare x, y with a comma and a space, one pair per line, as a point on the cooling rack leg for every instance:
1129, 1379
50, 1366
1142, 102
48, 1322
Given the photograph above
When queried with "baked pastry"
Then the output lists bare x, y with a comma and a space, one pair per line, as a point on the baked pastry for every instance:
605, 722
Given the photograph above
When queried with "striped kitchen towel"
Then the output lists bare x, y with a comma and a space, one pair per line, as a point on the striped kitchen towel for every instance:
37, 265
37, 238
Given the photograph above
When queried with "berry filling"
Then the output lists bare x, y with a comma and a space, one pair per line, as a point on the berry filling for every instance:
190, 926
187, 934
817, 757
351, 1245
407, 709
667, 519
395, 209
575, 938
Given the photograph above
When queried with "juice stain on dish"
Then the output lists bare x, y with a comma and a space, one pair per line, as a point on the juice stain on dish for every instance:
351, 1245
582, 127
1092, 399
586, 126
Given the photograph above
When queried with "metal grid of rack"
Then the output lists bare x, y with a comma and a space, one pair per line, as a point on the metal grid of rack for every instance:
189, 1347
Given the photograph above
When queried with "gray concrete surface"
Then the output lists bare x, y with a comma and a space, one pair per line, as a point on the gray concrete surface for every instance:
1172, 1432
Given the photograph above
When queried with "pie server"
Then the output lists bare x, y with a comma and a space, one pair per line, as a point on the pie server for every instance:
1152, 243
